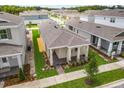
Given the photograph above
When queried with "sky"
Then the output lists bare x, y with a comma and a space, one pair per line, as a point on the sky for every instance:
60, 3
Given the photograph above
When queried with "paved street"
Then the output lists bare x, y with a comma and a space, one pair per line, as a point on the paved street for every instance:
67, 77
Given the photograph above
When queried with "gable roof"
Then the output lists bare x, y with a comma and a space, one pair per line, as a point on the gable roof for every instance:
31, 13
54, 36
109, 12
7, 19
102, 31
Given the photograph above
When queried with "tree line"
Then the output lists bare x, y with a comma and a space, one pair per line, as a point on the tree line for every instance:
96, 7
15, 9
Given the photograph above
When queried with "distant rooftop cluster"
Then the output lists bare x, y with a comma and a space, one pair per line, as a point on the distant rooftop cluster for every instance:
40, 12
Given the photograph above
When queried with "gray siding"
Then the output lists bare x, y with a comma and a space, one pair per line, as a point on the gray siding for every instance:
104, 44
13, 61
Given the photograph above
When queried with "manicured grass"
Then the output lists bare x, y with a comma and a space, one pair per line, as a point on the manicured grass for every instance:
102, 78
39, 59
31, 25
99, 59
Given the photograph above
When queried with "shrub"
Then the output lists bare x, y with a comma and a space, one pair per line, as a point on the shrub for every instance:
21, 75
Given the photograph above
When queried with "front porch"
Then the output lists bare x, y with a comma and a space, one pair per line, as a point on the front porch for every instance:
107, 47
63, 61
61, 56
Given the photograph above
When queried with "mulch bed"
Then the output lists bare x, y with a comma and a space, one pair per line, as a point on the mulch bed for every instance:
12, 80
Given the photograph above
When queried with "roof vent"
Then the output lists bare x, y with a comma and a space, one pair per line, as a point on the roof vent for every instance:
56, 27
98, 26
3, 21
80, 22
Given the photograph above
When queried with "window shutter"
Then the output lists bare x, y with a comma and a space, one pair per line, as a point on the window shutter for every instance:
9, 34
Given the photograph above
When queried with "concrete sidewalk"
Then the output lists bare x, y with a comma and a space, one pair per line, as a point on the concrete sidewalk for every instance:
115, 84
66, 77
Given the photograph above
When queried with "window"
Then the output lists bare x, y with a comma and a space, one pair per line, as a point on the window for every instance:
112, 20
71, 28
115, 43
5, 34
4, 60
76, 49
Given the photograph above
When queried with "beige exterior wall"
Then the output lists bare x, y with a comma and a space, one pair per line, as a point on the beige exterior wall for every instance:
62, 52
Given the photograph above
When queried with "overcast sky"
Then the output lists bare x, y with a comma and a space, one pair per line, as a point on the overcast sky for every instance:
60, 3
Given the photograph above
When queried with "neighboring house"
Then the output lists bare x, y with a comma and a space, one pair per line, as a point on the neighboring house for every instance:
114, 18
63, 46
12, 44
104, 38
61, 16
34, 17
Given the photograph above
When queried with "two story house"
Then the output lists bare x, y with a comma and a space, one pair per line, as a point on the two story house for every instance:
114, 18
12, 44
104, 38
61, 16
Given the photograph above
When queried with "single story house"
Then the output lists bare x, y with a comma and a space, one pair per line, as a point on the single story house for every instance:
104, 38
62, 46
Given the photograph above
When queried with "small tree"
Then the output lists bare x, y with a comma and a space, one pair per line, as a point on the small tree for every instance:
21, 75
91, 69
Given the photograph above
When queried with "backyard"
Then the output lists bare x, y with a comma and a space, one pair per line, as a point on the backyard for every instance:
102, 78
39, 59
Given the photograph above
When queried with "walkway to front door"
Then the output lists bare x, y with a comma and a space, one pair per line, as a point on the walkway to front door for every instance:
59, 69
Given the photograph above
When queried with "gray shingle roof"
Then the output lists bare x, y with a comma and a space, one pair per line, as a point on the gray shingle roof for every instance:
54, 36
30, 13
103, 31
110, 12
7, 19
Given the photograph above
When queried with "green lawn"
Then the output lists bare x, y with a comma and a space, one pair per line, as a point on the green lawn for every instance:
99, 59
102, 78
31, 25
39, 60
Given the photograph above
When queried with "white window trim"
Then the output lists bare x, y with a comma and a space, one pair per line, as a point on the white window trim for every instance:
4, 64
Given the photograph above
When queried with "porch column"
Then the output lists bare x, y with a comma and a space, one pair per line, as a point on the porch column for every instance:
119, 47
78, 54
87, 51
110, 48
99, 43
69, 55
51, 57
19, 61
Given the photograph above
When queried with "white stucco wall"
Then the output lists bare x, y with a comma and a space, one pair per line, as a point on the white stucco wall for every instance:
84, 18
119, 21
